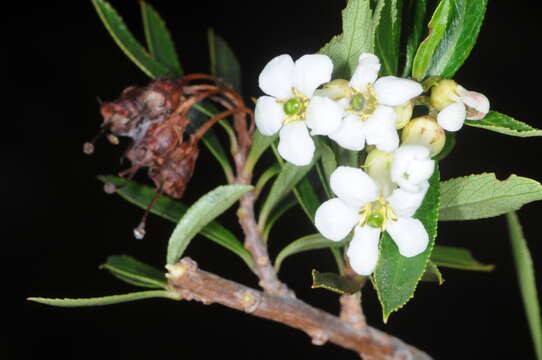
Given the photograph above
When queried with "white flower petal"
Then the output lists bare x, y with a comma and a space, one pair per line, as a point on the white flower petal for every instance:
366, 72
268, 115
276, 77
380, 129
334, 219
350, 134
363, 250
353, 186
405, 203
411, 167
295, 144
323, 115
311, 71
394, 91
409, 235
452, 117
478, 103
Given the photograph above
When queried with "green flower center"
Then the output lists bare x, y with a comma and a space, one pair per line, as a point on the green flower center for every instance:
292, 106
356, 102
377, 214
375, 220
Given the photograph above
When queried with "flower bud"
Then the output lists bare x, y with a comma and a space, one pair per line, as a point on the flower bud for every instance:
424, 130
403, 114
444, 93
378, 166
335, 90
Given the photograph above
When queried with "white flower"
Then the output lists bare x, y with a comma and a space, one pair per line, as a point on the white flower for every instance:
412, 167
291, 106
369, 114
360, 205
456, 104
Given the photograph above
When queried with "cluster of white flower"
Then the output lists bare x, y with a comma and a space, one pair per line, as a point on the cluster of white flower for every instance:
365, 110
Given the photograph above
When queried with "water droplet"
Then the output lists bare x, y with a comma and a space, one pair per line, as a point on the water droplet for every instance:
139, 231
88, 148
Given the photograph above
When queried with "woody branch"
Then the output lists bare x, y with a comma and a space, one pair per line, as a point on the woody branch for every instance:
191, 283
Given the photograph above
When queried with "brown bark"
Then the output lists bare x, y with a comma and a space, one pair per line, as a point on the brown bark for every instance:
192, 283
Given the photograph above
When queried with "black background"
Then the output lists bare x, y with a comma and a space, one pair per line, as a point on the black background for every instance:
61, 226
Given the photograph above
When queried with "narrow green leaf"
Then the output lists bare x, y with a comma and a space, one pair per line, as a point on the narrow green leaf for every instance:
289, 176
329, 162
526, 279
396, 276
504, 124
159, 40
357, 37
457, 258
199, 114
224, 63
127, 42
453, 30
334, 282
277, 214
306, 243
432, 274
419, 9
307, 198
260, 143
482, 196
387, 36
134, 272
106, 300
169, 209
267, 175
205, 210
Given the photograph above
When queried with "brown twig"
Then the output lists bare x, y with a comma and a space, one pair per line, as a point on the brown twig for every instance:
192, 283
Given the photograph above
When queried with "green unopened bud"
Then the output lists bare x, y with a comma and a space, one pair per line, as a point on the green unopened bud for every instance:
378, 166
335, 90
403, 114
424, 130
443, 94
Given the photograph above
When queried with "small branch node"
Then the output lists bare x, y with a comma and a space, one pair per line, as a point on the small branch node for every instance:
249, 300
318, 337
177, 271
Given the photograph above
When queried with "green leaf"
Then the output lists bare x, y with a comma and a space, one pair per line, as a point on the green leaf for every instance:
432, 274
159, 40
417, 25
483, 196
224, 63
127, 42
453, 30
289, 176
504, 124
205, 210
526, 278
329, 162
336, 283
396, 276
457, 258
357, 37
134, 272
106, 300
387, 36
277, 214
306, 243
260, 143
169, 209
199, 114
